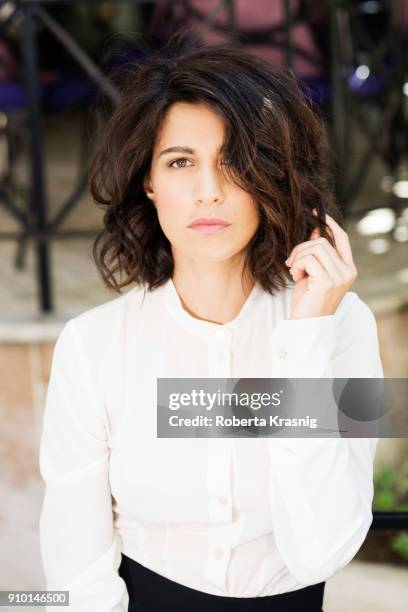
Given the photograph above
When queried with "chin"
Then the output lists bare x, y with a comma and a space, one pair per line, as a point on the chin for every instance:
213, 254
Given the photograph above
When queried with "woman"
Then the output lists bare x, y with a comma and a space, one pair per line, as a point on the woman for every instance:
213, 172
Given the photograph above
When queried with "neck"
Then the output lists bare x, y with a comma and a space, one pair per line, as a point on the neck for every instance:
212, 291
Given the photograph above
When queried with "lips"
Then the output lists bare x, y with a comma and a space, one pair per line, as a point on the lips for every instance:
208, 222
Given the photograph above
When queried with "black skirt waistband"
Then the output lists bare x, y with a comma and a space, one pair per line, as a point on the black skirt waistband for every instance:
151, 592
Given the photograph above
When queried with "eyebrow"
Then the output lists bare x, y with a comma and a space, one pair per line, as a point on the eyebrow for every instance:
188, 150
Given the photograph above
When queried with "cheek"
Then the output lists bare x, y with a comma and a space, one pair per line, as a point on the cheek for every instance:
166, 192
249, 215
171, 213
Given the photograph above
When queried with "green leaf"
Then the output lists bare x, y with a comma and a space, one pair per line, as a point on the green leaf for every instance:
384, 500
400, 544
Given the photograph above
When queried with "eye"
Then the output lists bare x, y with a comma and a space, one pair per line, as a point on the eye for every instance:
176, 161
184, 159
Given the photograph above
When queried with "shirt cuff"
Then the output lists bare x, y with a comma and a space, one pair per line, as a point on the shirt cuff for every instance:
303, 347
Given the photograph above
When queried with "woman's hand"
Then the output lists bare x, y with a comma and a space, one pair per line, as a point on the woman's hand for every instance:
322, 274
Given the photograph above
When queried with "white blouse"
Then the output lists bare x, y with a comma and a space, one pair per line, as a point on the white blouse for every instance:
238, 517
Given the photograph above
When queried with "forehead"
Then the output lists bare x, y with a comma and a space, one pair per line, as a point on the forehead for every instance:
194, 125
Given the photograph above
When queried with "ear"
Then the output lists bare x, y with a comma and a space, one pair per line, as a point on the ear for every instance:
147, 187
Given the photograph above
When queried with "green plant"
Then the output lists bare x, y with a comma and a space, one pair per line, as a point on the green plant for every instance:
400, 544
391, 495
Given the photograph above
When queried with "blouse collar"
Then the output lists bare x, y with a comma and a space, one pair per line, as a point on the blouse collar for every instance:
198, 327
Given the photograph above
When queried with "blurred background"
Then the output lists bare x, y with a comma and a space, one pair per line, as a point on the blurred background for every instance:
351, 59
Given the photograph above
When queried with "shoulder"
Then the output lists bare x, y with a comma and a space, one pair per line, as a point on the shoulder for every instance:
103, 316
98, 327
92, 342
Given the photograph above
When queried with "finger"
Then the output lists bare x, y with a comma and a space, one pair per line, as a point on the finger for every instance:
335, 268
319, 244
313, 236
341, 240
311, 266
316, 231
298, 248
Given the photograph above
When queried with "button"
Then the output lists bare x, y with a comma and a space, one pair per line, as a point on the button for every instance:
220, 334
283, 354
220, 356
223, 501
219, 553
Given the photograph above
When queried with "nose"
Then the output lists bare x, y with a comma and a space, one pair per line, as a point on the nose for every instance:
208, 188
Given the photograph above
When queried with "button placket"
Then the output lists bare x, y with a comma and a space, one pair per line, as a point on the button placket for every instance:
220, 334
219, 496
218, 478
235, 514
218, 474
219, 354
218, 555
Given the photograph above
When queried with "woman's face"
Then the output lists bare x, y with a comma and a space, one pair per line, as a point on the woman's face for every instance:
187, 185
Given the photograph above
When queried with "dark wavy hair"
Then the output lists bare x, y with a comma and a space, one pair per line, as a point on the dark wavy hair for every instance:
274, 138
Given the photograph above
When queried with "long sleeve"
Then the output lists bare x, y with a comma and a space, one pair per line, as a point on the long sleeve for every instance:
321, 489
79, 547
